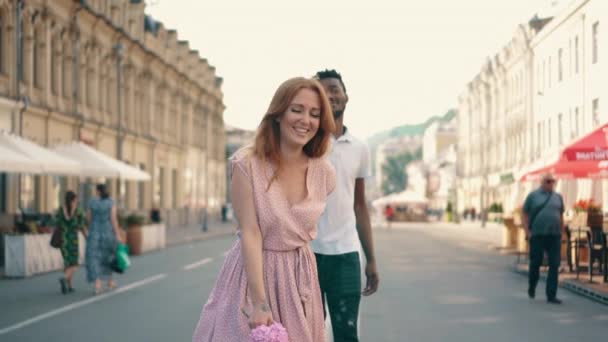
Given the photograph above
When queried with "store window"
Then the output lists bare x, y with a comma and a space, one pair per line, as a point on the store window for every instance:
29, 186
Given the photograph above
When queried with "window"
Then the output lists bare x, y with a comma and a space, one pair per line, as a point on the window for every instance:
595, 34
570, 57
576, 55
576, 123
36, 61
60, 185
159, 186
560, 67
596, 112
53, 67
29, 193
570, 123
3, 192
141, 190
174, 188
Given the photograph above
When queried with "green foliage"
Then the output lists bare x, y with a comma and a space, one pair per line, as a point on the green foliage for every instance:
132, 220
394, 171
448, 207
495, 208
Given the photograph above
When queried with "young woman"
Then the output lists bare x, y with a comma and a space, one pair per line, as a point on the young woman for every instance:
279, 190
70, 219
102, 239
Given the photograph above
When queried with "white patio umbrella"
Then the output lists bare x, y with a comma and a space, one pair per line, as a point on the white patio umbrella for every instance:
11, 161
97, 164
49, 161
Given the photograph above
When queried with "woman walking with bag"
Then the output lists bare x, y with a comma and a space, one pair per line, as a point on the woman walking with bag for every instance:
102, 240
279, 190
70, 220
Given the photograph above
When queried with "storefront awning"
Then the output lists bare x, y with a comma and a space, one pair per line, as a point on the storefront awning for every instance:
11, 161
565, 169
96, 164
592, 147
49, 162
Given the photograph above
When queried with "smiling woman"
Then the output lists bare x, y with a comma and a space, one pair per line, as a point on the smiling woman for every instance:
279, 188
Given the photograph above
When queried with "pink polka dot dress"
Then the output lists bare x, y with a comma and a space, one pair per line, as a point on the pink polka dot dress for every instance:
289, 266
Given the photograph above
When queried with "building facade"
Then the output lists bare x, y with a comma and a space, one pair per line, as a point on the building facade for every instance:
536, 95
104, 73
439, 157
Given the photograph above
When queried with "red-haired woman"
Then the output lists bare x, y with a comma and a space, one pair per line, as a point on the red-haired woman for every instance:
279, 190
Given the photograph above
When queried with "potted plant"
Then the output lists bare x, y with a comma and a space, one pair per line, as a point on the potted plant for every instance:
595, 217
134, 225
449, 211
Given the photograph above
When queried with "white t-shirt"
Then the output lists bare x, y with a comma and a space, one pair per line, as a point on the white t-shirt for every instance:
337, 233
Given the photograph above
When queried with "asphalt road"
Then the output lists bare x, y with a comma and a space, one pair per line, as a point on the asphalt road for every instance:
437, 284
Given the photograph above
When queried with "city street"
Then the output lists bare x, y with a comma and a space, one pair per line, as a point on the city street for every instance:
438, 283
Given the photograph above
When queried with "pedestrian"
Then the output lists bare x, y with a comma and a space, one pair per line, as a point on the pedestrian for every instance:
279, 189
345, 225
389, 214
543, 219
70, 219
104, 235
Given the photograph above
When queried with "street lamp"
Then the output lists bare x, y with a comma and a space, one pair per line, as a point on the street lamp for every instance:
119, 52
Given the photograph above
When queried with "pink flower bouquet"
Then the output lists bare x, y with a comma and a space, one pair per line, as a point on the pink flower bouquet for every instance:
273, 333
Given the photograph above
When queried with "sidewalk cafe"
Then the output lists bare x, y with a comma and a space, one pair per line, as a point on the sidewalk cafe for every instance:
586, 242
26, 230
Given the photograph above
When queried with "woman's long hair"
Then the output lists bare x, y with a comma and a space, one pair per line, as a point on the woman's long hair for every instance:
268, 136
102, 189
69, 198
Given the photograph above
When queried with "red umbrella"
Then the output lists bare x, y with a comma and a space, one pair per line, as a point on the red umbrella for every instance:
564, 169
593, 147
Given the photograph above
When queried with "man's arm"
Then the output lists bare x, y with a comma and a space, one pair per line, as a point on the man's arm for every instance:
364, 228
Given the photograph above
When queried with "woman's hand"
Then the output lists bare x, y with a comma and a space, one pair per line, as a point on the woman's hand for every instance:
261, 315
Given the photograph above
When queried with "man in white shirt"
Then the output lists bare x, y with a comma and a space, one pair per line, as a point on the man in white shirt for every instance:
345, 225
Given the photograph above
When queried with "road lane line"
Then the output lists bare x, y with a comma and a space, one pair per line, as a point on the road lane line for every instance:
197, 264
82, 303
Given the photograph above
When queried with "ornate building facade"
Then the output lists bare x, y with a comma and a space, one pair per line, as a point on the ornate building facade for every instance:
102, 72
537, 95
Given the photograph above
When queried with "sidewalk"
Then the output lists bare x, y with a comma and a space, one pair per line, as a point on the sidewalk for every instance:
597, 291
194, 232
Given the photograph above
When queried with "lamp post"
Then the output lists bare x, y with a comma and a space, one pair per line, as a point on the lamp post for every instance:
119, 52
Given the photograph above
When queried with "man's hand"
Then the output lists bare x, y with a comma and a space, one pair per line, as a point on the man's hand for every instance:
371, 272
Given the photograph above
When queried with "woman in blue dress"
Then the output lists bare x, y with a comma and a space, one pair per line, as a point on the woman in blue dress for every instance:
102, 239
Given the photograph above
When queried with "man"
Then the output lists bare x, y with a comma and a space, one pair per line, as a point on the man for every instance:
345, 225
543, 219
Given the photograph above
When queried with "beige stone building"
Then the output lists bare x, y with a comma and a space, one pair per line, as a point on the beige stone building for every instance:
102, 72
538, 94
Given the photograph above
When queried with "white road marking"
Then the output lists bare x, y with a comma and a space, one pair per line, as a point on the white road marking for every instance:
197, 264
82, 303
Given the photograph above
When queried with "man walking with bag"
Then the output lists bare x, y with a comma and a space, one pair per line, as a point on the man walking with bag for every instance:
543, 219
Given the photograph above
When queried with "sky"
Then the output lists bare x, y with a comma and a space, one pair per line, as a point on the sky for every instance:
402, 61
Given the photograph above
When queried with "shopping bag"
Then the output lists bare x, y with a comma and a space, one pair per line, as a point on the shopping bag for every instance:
121, 261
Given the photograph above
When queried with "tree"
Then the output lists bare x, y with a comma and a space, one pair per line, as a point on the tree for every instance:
395, 177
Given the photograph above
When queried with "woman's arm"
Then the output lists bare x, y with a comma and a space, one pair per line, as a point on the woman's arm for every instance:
251, 246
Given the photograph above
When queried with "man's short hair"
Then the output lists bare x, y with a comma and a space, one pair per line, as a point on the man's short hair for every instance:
321, 75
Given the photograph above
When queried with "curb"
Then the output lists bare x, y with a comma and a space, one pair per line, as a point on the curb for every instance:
583, 291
